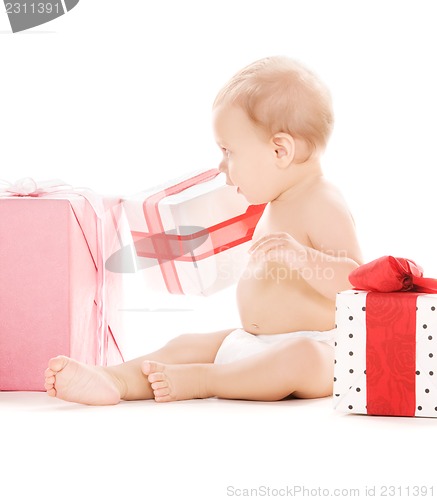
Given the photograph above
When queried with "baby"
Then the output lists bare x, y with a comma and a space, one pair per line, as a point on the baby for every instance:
272, 122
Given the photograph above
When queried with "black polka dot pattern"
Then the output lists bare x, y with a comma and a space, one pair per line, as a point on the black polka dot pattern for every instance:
350, 389
350, 378
426, 349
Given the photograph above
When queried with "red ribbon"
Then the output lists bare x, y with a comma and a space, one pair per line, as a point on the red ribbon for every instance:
391, 353
391, 332
155, 225
168, 248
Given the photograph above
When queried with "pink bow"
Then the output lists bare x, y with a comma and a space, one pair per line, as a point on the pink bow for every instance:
29, 187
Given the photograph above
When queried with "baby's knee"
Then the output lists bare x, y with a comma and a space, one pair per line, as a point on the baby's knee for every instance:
181, 340
303, 350
301, 345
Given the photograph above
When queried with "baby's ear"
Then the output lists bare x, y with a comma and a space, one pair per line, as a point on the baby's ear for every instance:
284, 149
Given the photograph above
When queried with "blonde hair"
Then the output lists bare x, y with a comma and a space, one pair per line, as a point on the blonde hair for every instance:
280, 95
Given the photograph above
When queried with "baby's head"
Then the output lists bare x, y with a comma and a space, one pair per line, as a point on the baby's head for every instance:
280, 95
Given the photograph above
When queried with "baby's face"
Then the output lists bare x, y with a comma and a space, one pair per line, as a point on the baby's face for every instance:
248, 155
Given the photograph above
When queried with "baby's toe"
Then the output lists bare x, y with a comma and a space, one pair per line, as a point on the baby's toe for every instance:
156, 377
58, 363
149, 367
163, 399
159, 393
159, 385
49, 373
51, 391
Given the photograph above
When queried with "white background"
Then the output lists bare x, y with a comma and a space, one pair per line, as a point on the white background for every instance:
117, 96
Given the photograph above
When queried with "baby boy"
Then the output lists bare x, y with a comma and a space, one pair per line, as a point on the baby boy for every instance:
272, 122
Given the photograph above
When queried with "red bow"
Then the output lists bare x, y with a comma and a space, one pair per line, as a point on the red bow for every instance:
391, 274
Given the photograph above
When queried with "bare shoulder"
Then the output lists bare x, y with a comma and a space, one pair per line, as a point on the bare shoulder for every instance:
324, 200
324, 194
329, 222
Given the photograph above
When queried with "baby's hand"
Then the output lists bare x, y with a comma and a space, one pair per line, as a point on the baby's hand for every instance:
280, 247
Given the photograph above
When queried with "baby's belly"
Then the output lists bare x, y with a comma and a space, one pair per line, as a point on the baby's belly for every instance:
272, 299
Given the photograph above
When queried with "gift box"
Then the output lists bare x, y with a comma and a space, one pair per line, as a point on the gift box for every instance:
190, 236
55, 295
386, 344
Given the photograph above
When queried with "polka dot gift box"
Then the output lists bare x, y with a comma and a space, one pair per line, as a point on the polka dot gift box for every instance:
386, 345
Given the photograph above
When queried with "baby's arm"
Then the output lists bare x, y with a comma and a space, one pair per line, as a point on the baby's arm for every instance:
333, 252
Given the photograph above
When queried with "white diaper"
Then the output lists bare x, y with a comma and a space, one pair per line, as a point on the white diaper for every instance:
240, 344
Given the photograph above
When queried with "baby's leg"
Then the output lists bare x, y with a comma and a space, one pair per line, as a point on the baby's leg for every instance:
301, 367
73, 381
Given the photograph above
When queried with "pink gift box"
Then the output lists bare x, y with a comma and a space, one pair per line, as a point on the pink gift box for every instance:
55, 294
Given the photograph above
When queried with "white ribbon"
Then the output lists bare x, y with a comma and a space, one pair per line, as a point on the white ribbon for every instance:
29, 187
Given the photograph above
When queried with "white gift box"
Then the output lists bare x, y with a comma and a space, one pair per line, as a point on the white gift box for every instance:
190, 236
386, 353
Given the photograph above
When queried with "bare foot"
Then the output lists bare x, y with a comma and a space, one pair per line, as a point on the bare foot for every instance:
70, 380
176, 382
